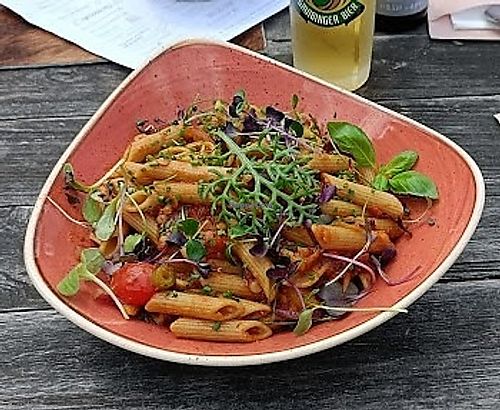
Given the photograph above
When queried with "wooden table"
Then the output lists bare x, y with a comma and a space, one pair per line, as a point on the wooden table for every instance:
444, 354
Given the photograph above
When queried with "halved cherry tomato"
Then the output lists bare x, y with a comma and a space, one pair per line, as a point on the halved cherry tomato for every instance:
132, 283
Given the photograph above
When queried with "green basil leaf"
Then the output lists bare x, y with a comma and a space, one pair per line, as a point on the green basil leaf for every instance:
70, 284
91, 210
413, 183
189, 226
195, 250
380, 182
131, 241
295, 101
92, 259
106, 224
304, 323
353, 140
404, 161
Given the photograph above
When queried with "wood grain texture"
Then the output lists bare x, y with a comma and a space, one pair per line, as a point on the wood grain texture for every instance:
22, 44
443, 354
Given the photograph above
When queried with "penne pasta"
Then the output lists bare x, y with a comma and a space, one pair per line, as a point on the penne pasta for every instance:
193, 305
223, 282
362, 194
144, 145
349, 239
230, 331
254, 310
182, 192
336, 207
161, 169
258, 267
147, 225
236, 219
298, 234
329, 163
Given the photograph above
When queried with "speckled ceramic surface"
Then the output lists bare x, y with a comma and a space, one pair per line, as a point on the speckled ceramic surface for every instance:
213, 70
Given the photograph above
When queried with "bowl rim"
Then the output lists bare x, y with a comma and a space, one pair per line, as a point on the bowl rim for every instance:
253, 359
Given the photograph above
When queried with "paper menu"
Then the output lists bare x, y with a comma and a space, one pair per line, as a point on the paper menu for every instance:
129, 31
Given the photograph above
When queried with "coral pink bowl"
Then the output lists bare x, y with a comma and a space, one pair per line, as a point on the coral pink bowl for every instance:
170, 82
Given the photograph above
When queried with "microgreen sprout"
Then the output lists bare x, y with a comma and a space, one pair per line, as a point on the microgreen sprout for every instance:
306, 316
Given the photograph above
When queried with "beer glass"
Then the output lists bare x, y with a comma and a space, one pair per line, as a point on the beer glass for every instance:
333, 39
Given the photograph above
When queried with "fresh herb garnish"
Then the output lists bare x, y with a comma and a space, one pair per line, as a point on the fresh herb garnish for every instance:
91, 262
195, 250
107, 222
306, 316
281, 186
91, 209
353, 140
413, 183
131, 242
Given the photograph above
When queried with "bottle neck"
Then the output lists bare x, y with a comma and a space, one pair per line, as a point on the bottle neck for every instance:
401, 8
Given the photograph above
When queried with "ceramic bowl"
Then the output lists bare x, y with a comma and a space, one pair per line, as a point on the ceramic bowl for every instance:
170, 82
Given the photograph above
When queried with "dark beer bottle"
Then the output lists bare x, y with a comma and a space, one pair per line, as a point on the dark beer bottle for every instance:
400, 15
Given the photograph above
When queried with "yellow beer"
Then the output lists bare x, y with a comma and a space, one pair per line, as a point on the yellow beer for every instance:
333, 39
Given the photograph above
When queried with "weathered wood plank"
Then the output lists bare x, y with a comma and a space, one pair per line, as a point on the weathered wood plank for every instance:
402, 65
443, 354
414, 67
479, 261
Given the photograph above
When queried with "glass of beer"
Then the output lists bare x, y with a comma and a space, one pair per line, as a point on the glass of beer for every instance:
333, 39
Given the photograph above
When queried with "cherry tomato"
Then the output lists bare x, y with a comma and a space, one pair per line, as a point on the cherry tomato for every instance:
216, 247
132, 283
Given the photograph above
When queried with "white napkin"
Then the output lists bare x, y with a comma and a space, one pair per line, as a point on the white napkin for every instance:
477, 18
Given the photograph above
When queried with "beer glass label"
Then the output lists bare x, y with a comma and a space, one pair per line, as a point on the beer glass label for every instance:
329, 13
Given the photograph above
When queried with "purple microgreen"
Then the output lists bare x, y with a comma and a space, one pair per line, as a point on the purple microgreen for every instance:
353, 262
273, 115
334, 296
392, 282
387, 255
327, 193
177, 238
287, 314
251, 124
282, 272
369, 240
230, 130
260, 248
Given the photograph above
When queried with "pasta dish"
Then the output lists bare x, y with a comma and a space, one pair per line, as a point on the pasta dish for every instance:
234, 221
